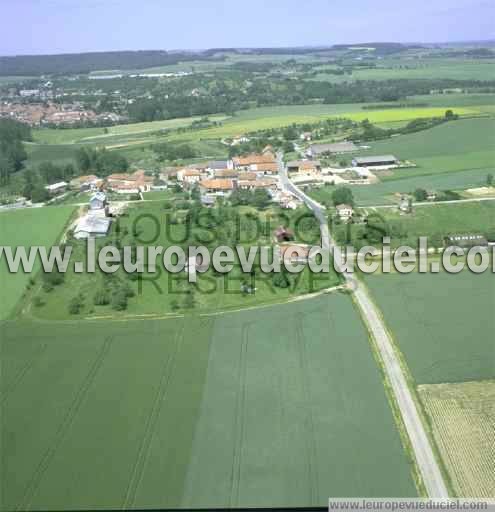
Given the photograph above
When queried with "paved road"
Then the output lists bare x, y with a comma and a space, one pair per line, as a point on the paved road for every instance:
425, 458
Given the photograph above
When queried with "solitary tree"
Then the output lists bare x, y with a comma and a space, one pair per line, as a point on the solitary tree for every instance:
342, 195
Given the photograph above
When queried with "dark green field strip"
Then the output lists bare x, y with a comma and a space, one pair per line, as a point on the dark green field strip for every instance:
106, 418
38, 411
294, 411
443, 323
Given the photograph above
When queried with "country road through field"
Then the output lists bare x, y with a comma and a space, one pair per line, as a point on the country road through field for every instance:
423, 452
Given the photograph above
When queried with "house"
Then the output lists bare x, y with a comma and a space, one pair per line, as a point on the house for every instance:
306, 136
344, 211
405, 204
83, 183
92, 226
308, 166
265, 169
189, 176
134, 183
217, 165
208, 200
57, 188
335, 148
245, 162
226, 173
283, 234
98, 201
266, 183
466, 241
217, 186
375, 161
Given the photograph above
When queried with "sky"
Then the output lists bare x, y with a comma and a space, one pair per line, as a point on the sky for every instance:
70, 26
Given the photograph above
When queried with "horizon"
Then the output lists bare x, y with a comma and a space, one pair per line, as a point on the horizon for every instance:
257, 48
61, 26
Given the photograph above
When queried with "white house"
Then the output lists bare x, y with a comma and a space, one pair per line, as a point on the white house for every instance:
57, 188
189, 176
98, 201
344, 211
92, 226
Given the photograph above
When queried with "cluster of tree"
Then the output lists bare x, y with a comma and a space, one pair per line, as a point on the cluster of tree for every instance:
366, 91
29, 65
342, 195
114, 292
367, 131
259, 198
100, 161
12, 152
171, 152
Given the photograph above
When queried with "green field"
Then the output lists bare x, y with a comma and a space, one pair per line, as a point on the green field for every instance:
456, 146
436, 68
443, 323
258, 408
452, 156
27, 227
98, 135
435, 221
239, 125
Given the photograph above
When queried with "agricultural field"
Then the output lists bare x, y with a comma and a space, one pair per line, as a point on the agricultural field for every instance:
27, 227
443, 323
433, 220
100, 135
462, 416
450, 147
453, 156
391, 69
238, 125
244, 409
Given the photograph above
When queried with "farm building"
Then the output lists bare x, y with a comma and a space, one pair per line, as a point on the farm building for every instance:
304, 166
374, 161
466, 240
92, 226
98, 201
57, 188
335, 148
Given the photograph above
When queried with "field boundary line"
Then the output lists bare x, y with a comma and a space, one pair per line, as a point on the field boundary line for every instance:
67, 422
19, 377
144, 449
239, 419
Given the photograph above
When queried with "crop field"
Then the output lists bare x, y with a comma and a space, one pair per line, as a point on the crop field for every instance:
455, 69
245, 409
27, 227
452, 156
462, 418
443, 323
99, 136
455, 146
434, 220
238, 126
